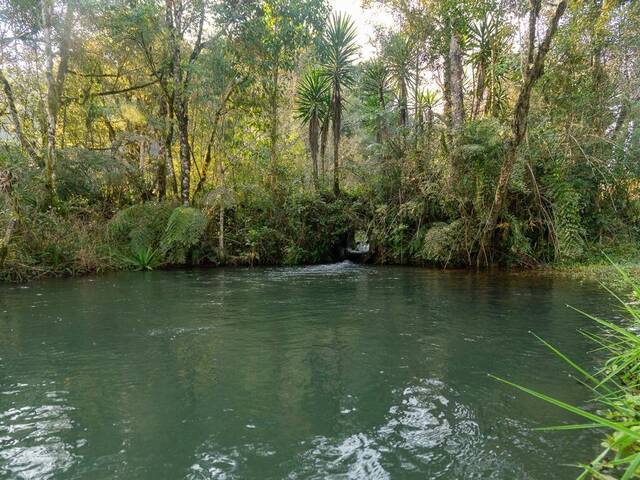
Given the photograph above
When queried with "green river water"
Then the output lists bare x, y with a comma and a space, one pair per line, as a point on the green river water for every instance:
335, 371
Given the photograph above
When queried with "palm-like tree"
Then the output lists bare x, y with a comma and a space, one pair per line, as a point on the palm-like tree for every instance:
312, 109
487, 39
340, 48
425, 103
399, 54
375, 83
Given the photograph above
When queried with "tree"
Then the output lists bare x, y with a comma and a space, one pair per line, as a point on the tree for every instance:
42, 24
271, 36
313, 102
179, 22
533, 71
55, 81
399, 57
375, 84
340, 49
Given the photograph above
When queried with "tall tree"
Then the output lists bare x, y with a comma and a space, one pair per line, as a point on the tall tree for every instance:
313, 101
533, 71
376, 85
180, 21
399, 57
274, 33
340, 48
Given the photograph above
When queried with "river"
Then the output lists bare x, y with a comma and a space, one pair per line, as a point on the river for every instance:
332, 371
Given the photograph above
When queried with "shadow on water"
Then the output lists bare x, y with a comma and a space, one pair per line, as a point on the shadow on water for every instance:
329, 371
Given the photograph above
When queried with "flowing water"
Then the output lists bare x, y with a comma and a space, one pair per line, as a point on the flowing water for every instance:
336, 371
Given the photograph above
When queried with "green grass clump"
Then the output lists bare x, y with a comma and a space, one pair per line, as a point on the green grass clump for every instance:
142, 258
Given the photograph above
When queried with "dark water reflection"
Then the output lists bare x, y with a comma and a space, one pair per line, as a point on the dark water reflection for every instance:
335, 371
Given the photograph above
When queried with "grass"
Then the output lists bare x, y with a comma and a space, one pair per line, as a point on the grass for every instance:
615, 387
599, 266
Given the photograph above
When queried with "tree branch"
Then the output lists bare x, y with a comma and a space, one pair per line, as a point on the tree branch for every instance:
17, 125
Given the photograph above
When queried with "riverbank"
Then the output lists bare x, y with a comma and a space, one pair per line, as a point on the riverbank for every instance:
602, 267
75, 238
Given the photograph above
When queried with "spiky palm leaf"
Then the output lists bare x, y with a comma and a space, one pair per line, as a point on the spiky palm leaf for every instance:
313, 96
428, 99
375, 78
399, 55
340, 49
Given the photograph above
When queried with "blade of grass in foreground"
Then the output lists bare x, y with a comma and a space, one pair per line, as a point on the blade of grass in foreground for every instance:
615, 387
604, 422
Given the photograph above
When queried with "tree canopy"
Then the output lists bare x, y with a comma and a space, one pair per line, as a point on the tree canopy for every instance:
478, 133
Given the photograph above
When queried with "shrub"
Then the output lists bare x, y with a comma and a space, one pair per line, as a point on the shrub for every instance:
183, 232
444, 242
139, 226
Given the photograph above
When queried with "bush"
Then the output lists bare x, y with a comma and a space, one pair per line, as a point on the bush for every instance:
139, 226
183, 232
444, 243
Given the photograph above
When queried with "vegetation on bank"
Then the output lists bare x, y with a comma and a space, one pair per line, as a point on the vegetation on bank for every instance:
615, 386
148, 133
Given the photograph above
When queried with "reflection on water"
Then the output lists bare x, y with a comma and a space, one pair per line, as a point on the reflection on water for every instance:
330, 371
30, 441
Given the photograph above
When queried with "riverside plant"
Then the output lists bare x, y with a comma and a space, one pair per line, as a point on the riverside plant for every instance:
142, 258
616, 389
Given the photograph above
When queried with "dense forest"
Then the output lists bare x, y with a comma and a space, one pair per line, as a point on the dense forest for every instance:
140, 133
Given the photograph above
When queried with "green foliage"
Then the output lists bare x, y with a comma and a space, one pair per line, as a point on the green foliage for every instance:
518, 243
183, 232
313, 96
339, 49
48, 243
568, 218
142, 258
140, 226
443, 242
419, 189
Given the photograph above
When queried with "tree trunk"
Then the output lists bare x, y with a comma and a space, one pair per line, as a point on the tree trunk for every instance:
180, 86
446, 91
457, 93
17, 124
324, 137
221, 179
337, 120
52, 101
417, 113
403, 110
182, 117
273, 134
6, 188
479, 93
313, 143
534, 70
55, 83
457, 105
161, 176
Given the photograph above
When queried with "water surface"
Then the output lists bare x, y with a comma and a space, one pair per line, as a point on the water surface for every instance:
336, 371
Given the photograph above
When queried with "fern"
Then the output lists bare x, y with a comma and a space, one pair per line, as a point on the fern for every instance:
567, 217
184, 230
139, 226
